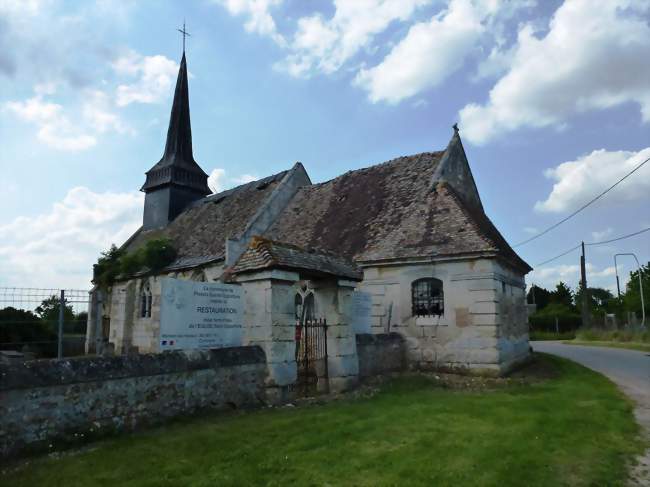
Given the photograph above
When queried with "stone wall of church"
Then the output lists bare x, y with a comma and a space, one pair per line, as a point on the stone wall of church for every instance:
484, 325
270, 322
121, 309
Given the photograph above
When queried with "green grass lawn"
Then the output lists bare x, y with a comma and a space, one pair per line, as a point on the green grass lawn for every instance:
573, 429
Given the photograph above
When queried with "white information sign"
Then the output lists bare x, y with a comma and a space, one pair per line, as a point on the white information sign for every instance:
200, 315
361, 312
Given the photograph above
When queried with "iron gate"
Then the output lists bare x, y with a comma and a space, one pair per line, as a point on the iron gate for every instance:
311, 355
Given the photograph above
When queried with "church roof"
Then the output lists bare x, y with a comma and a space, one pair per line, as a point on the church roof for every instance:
266, 254
413, 208
177, 165
393, 210
200, 232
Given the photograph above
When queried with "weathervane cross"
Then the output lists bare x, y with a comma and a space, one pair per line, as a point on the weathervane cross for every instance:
185, 33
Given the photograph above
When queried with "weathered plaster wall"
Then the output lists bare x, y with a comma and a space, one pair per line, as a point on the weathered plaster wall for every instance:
48, 402
469, 334
130, 332
380, 354
333, 301
270, 322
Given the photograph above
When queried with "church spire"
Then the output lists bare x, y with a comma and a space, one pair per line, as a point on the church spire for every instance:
176, 180
179, 134
177, 165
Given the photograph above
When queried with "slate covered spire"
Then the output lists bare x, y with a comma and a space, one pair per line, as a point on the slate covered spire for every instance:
454, 169
177, 165
176, 181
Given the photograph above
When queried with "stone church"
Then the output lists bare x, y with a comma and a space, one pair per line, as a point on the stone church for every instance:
411, 232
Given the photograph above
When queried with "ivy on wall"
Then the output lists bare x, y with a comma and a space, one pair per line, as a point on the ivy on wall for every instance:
155, 255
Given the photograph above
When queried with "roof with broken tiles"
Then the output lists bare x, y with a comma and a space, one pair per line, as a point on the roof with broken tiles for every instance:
263, 254
403, 209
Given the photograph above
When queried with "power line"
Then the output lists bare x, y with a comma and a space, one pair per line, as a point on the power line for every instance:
558, 256
583, 206
620, 238
591, 244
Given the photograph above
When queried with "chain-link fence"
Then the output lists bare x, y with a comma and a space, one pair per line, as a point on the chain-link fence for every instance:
43, 323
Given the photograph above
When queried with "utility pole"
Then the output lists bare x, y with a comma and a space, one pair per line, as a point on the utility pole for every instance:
585, 292
638, 266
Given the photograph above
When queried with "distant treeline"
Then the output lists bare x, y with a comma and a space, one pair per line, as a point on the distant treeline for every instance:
566, 305
37, 331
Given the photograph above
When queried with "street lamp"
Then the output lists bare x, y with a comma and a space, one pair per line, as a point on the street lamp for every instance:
640, 284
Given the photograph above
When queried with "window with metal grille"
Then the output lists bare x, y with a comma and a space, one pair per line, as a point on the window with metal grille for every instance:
427, 297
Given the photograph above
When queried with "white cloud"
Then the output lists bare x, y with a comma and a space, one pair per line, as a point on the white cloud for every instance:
577, 182
54, 125
258, 16
155, 78
321, 45
602, 235
54, 128
59, 247
98, 113
433, 50
217, 180
429, 53
245, 178
22, 7
590, 58
531, 230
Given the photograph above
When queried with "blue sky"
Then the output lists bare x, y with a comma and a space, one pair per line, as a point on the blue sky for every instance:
552, 99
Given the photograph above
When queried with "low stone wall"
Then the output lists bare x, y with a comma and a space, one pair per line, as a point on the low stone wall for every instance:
47, 403
380, 353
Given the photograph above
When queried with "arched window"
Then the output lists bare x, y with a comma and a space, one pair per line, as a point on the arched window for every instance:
304, 306
198, 275
427, 297
297, 302
145, 301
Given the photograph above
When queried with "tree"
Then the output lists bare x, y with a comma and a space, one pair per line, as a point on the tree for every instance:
632, 298
601, 300
562, 295
538, 295
48, 310
19, 327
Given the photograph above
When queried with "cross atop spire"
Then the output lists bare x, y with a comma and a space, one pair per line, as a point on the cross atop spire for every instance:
177, 165
185, 33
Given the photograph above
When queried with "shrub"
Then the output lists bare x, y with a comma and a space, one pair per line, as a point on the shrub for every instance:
544, 320
593, 334
155, 255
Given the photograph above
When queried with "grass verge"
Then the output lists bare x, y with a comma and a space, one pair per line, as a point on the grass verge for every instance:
573, 429
549, 335
642, 347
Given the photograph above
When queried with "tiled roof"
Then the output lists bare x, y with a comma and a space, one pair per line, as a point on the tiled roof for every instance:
266, 254
200, 232
390, 211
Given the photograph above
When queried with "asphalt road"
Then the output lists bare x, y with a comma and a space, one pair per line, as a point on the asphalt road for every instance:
629, 369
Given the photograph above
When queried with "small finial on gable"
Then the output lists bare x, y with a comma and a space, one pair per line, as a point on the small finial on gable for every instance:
455, 126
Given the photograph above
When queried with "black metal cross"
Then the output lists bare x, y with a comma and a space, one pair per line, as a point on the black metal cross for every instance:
185, 33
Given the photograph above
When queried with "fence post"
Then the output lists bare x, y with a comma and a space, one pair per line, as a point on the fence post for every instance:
60, 341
